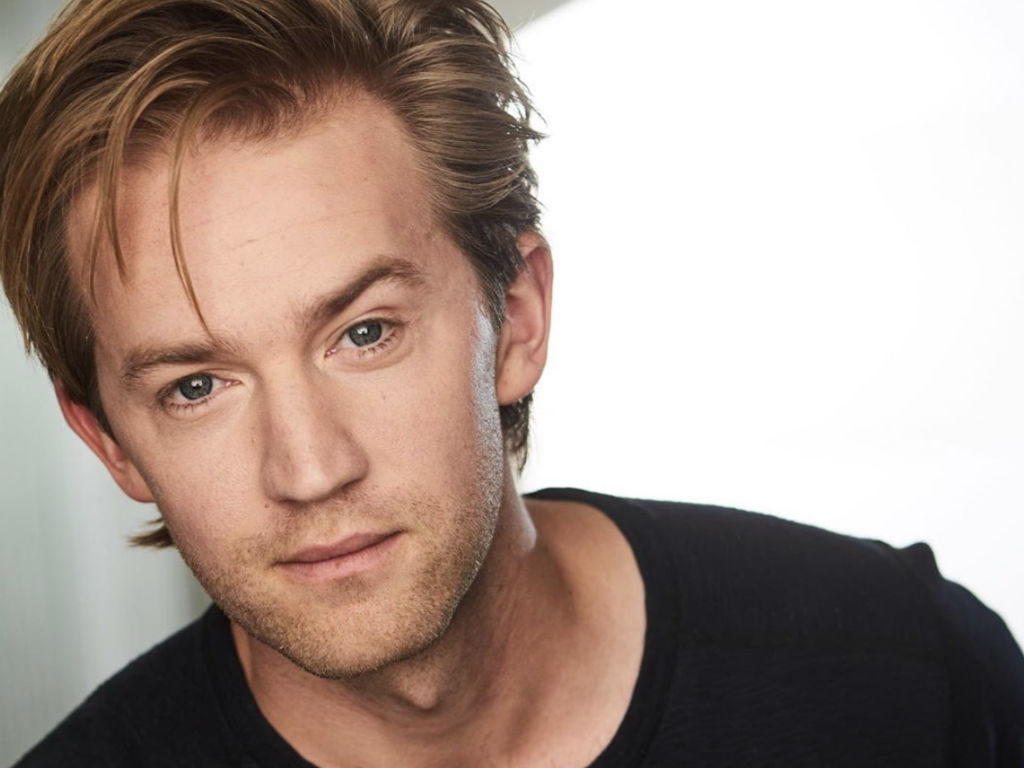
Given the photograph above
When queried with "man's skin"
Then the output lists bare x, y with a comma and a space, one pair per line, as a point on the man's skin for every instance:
473, 628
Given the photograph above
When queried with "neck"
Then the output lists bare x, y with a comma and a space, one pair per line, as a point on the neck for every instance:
478, 685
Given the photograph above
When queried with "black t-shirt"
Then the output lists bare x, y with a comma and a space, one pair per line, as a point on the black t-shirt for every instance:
768, 643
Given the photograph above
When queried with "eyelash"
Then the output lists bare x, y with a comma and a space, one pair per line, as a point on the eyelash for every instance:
389, 334
191, 406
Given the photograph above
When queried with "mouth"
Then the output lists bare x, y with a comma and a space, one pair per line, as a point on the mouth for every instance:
355, 554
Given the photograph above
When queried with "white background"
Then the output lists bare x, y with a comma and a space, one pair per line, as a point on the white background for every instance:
789, 270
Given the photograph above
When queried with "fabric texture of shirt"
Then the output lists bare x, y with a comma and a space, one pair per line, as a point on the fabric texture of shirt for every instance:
768, 643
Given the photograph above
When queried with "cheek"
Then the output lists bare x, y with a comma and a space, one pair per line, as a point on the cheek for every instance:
206, 489
440, 410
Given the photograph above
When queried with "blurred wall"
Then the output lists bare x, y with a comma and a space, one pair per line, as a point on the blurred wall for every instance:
77, 602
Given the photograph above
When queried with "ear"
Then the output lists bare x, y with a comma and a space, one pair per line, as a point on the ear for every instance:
523, 343
83, 421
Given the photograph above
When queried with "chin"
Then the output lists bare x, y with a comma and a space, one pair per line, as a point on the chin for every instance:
348, 663
363, 629
359, 645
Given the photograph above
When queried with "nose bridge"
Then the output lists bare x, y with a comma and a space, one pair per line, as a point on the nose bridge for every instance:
308, 452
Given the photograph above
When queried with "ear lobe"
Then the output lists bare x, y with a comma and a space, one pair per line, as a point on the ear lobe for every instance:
523, 343
84, 423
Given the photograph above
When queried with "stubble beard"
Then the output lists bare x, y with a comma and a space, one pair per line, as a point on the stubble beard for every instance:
353, 628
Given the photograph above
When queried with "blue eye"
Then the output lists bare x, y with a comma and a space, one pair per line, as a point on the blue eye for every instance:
364, 334
196, 387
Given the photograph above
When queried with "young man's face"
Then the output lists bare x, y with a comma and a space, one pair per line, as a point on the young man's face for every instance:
344, 399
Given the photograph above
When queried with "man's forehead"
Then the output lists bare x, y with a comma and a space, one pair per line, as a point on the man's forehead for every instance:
351, 175
324, 202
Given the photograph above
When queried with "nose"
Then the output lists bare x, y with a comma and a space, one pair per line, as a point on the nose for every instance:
308, 454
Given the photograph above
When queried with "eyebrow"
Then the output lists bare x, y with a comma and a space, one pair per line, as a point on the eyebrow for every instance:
142, 360
386, 268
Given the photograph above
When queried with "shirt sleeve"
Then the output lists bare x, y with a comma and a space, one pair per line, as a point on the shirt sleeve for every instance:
986, 670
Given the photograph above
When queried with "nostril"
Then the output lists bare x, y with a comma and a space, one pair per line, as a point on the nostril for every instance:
302, 466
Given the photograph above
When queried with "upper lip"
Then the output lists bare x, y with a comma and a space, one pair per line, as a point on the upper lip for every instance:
346, 546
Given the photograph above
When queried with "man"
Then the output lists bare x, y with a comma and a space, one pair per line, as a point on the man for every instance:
282, 261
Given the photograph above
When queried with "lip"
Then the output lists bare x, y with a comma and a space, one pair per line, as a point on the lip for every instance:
354, 554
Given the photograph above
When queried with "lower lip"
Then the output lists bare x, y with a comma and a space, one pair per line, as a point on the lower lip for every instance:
343, 566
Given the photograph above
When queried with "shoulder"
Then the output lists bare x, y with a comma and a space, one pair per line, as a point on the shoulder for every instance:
742, 573
156, 711
853, 585
775, 594
745, 578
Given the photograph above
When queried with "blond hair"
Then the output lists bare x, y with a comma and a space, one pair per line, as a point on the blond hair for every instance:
115, 79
